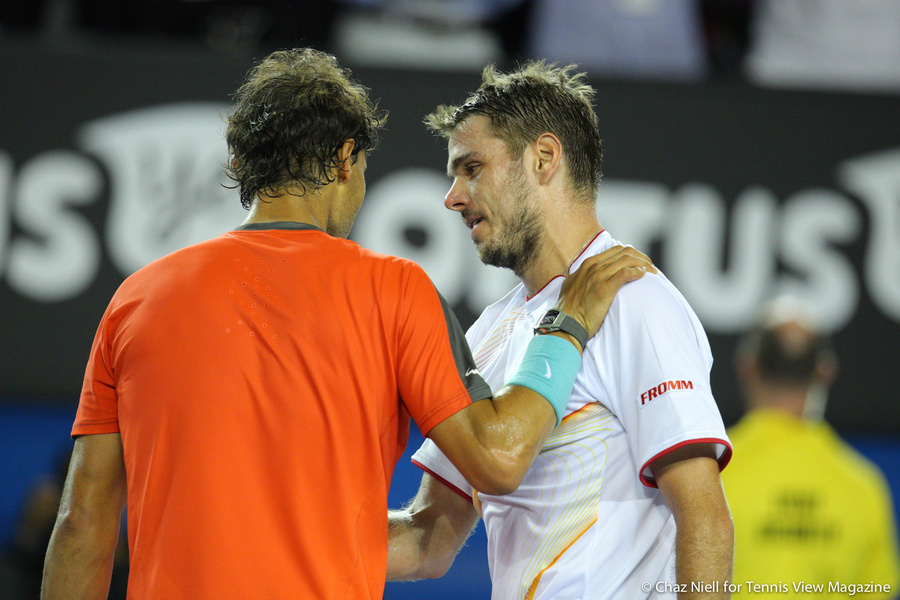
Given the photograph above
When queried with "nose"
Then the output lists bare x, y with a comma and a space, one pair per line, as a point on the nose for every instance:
458, 197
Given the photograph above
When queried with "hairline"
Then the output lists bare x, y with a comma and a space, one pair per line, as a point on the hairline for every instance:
515, 154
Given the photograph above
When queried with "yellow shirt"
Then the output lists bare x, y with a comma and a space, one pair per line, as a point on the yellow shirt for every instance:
808, 510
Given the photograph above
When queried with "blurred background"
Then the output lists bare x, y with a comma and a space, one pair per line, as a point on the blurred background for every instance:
752, 147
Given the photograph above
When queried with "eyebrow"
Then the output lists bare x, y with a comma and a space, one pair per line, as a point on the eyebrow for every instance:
454, 164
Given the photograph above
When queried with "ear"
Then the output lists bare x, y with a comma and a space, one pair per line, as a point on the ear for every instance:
547, 157
344, 162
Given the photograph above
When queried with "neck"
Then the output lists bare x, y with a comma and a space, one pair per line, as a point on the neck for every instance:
791, 401
311, 209
564, 239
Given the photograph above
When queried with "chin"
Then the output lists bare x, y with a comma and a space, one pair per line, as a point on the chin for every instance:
484, 254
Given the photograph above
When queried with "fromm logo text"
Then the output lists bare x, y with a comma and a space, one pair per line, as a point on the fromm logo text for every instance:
664, 387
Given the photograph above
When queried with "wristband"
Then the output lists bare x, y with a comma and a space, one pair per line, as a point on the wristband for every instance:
549, 368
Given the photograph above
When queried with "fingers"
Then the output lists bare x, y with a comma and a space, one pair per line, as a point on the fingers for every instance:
619, 257
608, 263
628, 274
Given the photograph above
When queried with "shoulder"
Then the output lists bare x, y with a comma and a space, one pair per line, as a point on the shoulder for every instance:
856, 466
207, 249
652, 297
388, 262
173, 263
651, 294
653, 306
862, 480
358, 265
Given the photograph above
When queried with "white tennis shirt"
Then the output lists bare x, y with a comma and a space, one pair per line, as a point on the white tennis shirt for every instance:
587, 521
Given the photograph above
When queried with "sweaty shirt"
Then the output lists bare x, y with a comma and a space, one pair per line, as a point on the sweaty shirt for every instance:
262, 383
587, 520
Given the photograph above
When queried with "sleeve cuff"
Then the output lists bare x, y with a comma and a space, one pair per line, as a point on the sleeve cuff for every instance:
442, 480
724, 456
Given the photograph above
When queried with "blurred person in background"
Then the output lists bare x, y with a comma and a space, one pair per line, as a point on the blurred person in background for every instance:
22, 562
826, 44
727, 31
807, 507
236, 27
644, 39
647, 39
429, 34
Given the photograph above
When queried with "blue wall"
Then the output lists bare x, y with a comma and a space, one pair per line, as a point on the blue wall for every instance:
34, 437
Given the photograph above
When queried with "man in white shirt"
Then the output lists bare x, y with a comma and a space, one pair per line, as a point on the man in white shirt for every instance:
624, 500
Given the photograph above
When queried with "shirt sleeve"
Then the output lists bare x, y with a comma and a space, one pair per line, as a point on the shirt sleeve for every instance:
436, 372
98, 404
430, 459
653, 359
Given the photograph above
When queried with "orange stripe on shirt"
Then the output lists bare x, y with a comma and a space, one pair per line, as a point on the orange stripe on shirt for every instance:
529, 595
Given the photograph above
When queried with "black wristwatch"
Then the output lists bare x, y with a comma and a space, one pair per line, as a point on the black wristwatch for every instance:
556, 320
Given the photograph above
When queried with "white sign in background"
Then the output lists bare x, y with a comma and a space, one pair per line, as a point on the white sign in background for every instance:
164, 167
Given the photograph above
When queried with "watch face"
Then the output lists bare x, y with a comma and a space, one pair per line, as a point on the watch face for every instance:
549, 317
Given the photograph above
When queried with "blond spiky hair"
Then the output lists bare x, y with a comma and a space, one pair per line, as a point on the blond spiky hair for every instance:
537, 98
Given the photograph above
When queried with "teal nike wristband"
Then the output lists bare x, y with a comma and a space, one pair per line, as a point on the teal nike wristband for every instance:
549, 368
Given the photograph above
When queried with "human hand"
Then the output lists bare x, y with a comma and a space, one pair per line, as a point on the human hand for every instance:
588, 292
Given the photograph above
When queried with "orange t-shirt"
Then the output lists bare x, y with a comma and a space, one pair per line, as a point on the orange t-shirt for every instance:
262, 383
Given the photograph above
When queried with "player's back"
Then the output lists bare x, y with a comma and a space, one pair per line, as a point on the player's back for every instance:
259, 410
806, 506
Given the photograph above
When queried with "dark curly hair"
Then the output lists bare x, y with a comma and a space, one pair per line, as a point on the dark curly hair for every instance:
537, 98
292, 115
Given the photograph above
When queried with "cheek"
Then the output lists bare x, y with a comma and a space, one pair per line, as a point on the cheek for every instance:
488, 190
361, 186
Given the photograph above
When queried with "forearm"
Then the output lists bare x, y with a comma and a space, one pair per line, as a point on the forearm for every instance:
79, 559
704, 544
422, 545
405, 547
507, 433
425, 537
80, 555
523, 419
704, 555
494, 442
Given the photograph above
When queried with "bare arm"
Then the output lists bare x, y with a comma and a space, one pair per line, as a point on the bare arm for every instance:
80, 555
493, 443
704, 545
425, 537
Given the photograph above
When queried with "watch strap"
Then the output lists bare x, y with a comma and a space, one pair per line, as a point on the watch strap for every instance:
556, 320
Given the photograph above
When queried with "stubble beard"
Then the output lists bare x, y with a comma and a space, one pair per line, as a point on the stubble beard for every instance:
341, 221
516, 245
341, 226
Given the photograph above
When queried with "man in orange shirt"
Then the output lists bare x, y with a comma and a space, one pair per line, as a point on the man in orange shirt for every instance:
238, 386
